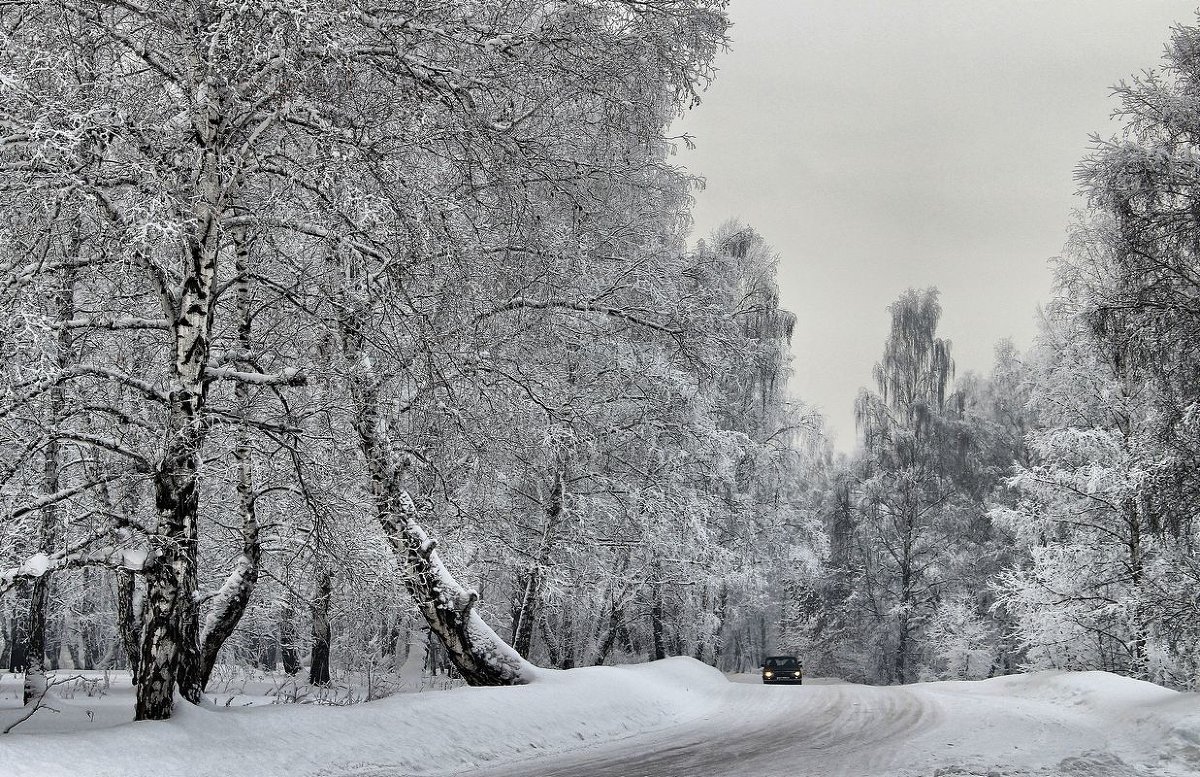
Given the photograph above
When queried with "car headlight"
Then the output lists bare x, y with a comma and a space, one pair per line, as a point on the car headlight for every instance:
768, 674
797, 674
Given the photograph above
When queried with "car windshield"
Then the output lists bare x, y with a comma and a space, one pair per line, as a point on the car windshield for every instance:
779, 662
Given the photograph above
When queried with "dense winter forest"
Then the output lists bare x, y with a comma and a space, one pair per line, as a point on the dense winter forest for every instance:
341, 340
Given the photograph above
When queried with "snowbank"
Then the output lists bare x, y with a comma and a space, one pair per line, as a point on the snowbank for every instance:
1084, 723
416, 734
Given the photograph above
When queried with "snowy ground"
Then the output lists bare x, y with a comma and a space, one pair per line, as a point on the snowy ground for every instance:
672, 718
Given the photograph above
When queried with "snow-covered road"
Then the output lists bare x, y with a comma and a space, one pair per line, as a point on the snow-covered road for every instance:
822, 729
1060, 725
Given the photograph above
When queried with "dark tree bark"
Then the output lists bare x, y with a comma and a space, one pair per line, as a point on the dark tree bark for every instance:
129, 619
17, 635
287, 640
322, 634
656, 620
35, 629
35, 641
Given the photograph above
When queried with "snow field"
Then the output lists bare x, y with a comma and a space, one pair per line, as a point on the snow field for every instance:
676, 717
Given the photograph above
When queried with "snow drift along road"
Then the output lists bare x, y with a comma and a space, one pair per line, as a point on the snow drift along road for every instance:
675, 717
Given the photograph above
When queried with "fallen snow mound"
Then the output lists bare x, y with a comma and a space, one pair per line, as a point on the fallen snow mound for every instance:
417, 734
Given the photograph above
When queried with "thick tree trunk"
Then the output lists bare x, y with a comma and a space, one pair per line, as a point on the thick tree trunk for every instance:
322, 634
171, 653
35, 641
170, 638
16, 634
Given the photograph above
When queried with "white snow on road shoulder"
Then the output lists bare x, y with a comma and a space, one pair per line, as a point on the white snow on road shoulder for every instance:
436, 732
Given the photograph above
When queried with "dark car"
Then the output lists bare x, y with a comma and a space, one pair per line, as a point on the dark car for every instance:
782, 669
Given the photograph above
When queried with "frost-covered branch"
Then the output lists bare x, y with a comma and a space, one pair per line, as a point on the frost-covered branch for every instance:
527, 303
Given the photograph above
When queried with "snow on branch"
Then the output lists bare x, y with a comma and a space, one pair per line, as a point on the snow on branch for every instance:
124, 322
32, 389
519, 303
76, 557
287, 377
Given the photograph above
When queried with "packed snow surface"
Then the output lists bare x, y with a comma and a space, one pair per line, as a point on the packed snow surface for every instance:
673, 718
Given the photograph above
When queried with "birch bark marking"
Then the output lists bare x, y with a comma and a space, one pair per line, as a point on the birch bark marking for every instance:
170, 640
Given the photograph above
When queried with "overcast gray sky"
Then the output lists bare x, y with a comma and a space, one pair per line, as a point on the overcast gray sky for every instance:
883, 144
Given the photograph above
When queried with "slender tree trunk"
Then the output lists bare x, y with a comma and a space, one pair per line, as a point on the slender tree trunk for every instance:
720, 613
1139, 658
35, 629
656, 620
610, 631
234, 596
318, 673
528, 600
569, 647
287, 640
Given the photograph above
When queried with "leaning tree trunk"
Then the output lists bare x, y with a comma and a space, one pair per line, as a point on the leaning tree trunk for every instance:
476, 651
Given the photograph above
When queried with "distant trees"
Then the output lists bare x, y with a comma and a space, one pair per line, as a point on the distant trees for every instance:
903, 590
1050, 513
